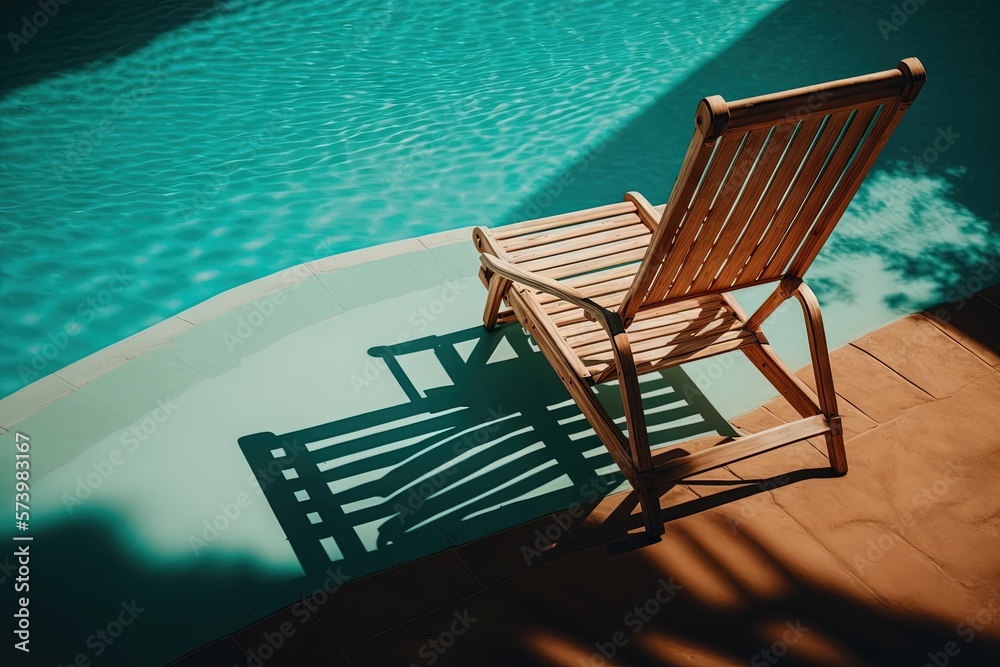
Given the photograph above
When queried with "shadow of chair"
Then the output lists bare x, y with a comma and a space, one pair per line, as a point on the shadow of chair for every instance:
461, 458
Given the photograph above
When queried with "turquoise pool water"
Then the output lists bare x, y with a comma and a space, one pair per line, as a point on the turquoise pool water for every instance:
155, 155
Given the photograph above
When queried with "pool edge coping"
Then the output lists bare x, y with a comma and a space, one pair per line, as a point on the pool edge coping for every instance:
59, 384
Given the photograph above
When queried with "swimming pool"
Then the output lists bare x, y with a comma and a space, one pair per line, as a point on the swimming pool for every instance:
211, 144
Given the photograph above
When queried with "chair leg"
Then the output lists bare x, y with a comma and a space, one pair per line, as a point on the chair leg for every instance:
638, 438
835, 447
494, 299
652, 516
824, 377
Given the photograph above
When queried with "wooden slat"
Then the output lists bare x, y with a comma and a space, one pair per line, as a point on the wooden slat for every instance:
686, 333
827, 97
760, 250
609, 284
569, 246
582, 282
585, 254
718, 214
641, 329
806, 218
741, 224
605, 374
657, 309
680, 331
609, 301
574, 324
560, 234
553, 221
564, 319
739, 449
596, 264
698, 153
651, 350
804, 181
686, 229
884, 126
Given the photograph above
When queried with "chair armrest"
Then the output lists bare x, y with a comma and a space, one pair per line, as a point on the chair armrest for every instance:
606, 318
647, 214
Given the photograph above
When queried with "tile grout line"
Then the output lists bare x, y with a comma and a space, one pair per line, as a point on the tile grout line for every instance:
415, 618
934, 321
808, 440
484, 587
340, 648
571, 534
468, 569
834, 556
917, 386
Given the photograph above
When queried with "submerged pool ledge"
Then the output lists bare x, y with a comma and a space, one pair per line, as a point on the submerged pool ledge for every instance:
55, 386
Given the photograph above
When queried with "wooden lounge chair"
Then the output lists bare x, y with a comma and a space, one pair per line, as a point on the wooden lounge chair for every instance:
613, 292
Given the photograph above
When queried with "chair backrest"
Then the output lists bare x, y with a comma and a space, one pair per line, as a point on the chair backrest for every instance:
764, 181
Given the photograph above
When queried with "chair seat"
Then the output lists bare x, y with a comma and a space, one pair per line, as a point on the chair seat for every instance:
598, 253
